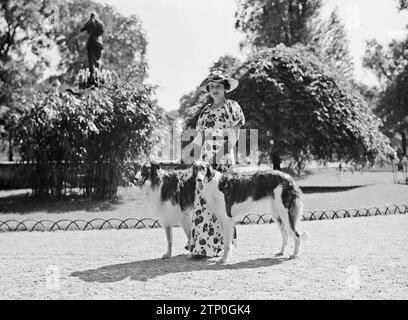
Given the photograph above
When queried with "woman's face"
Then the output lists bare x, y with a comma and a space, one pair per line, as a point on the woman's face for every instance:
216, 90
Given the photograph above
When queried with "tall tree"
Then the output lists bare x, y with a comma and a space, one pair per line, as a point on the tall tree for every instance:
267, 23
386, 62
329, 39
304, 110
24, 37
390, 65
393, 108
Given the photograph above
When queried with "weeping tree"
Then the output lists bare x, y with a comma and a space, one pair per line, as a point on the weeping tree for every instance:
305, 111
95, 137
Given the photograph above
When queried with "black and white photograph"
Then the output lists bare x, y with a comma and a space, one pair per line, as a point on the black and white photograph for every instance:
203, 151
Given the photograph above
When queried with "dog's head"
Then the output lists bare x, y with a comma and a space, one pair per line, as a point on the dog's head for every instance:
207, 177
149, 172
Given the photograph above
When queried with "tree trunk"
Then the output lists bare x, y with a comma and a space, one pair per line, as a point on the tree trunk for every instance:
10, 151
403, 142
276, 161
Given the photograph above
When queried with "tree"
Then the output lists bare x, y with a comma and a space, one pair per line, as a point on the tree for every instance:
386, 63
24, 37
267, 23
330, 41
393, 107
306, 110
390, 65
402, 5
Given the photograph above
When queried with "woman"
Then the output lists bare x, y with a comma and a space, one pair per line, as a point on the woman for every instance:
216, 120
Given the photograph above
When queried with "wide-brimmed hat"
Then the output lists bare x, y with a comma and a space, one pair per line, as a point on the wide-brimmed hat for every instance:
218, 76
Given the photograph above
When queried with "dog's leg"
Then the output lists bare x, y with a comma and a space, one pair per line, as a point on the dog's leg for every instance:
228, 228
169, 236
279, 213
186, 224
294, 213
284, 237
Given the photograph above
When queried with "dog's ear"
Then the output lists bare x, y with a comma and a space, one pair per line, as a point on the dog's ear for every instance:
154, 167
210, 172
195, 169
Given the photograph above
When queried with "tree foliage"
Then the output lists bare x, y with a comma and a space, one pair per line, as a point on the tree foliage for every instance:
386, 62
23, 39
267, 23
329, 40
402, 4
393, 104
96, 135
306, 110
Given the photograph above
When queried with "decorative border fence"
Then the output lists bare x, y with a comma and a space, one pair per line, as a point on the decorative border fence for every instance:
132, 223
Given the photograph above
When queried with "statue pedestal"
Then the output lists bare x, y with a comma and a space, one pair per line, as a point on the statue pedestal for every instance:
85, 79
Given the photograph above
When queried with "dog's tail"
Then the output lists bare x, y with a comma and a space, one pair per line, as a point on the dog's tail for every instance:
296, 213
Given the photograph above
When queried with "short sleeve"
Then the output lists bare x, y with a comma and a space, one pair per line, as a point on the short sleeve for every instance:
237, 116
200, 121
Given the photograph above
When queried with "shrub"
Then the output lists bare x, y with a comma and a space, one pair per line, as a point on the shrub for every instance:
88, 141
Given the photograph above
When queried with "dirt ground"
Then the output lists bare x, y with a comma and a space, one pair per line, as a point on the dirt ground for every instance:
355, 258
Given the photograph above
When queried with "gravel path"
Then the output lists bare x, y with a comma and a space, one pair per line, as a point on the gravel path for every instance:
125, 264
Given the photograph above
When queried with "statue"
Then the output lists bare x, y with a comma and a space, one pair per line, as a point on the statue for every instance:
94, 45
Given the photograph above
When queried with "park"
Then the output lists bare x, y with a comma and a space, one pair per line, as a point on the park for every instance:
75, 222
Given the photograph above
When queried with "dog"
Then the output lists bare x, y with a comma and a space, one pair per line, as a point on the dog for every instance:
233, 194
172, 196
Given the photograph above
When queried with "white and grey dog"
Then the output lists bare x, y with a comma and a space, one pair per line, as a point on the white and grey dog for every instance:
233, 194
172, 196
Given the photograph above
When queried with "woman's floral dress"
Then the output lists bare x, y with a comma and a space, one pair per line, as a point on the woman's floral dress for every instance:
206, 235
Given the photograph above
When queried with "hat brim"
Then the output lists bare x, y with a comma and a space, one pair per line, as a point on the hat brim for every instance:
232, 82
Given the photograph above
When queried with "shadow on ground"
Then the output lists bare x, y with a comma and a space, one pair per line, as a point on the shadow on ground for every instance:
328, 189
149, 269
24, 203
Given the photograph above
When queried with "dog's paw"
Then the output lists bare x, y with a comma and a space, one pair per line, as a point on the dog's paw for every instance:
166, 255
292, 257
222, 261
278, 254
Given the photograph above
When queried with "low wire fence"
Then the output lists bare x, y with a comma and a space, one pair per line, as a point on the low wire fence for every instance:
132, 223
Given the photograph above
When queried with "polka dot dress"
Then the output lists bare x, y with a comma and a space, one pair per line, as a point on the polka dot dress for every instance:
206, 233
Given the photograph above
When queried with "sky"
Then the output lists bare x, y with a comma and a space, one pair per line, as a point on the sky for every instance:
186, 36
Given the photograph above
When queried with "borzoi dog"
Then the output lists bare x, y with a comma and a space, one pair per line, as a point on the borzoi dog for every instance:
172, 196
233, 194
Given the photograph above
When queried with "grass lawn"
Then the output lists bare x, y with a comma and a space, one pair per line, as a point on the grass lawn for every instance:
126, 264
323, 190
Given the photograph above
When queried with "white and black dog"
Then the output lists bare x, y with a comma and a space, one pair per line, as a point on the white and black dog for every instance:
232, 194
172, 196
